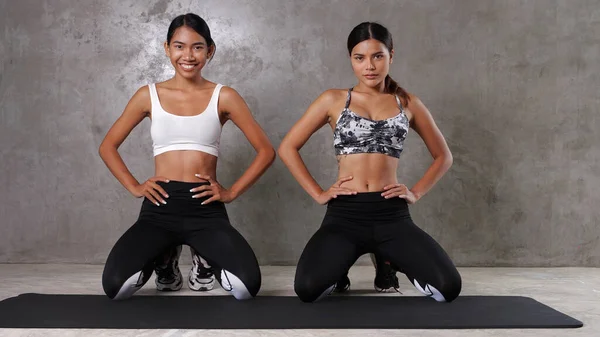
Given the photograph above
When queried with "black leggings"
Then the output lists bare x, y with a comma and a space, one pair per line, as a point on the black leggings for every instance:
369, 223
183, 220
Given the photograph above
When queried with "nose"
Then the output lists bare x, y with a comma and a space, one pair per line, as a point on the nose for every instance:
370, 65
188, 55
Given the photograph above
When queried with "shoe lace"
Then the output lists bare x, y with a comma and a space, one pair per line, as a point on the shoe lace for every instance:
394, 281
388, 274
165, 272
199, 270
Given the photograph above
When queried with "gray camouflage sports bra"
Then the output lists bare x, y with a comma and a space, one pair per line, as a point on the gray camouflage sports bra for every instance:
356, 134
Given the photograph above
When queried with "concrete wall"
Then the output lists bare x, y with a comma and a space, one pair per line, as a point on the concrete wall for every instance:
513, 86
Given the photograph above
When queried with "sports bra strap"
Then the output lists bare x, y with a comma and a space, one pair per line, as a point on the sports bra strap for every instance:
348, 99
399, 103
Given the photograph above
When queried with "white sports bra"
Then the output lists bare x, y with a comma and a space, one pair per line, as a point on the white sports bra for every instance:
200, 132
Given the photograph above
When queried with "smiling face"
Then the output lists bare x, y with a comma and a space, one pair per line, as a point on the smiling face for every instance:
188, 52
371, 61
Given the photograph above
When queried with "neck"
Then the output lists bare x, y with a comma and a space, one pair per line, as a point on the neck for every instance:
378, 89
183, 83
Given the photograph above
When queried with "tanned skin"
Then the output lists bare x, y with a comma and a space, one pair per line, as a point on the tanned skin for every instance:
187, 94
366, 172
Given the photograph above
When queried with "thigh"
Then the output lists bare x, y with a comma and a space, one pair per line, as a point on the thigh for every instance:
135, 250
415, 253
223, 247
327, 257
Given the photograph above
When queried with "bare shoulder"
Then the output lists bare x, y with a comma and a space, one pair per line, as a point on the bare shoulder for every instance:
413, 107
142, 92
335, 95
330, 99
230, 101
413, 101
228, 93
141, 99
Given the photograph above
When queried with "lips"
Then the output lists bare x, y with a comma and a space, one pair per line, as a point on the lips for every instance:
186, 66
371, 76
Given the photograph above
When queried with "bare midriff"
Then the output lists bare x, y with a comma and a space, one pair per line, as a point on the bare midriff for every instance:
370, 171
183, 165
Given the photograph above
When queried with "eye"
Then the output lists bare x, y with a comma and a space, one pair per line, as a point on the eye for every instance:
379, 56
358, 58
198, 48
177, 46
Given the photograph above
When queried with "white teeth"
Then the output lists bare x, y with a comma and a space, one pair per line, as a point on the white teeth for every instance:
187, 66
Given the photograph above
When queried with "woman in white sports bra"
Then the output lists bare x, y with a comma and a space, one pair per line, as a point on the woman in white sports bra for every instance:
183, 202
367, 209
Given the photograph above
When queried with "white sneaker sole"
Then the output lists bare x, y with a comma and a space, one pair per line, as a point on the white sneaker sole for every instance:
202, 285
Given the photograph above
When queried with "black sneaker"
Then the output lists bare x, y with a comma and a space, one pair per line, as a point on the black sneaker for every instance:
166, 267
201, 277
342, 285
385, 278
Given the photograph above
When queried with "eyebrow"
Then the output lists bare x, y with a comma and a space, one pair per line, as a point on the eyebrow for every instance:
376, 53
193, 44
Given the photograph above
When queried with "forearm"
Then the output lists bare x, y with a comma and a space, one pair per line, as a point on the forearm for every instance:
117, 167
257, 168
433, 174
291, 158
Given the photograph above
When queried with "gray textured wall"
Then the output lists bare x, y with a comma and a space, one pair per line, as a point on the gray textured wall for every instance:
512, 84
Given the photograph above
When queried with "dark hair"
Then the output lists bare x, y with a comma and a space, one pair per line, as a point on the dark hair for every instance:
373, 30
194, 22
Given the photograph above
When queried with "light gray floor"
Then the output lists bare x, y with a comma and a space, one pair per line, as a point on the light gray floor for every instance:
574, 291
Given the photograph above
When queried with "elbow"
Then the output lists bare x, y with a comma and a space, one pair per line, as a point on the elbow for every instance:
270, 154
102, 150
448, 160
266, 154
283, 151
287, 152
105, 149
444, 160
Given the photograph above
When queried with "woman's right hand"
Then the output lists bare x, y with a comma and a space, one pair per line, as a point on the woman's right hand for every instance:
152, 191
335, 190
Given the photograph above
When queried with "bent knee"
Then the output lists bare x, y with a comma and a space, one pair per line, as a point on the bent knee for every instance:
449, 288
242, 288
116, 289
309, 291
444, 289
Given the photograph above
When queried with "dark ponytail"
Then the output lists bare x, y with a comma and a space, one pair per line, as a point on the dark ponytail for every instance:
373, 30
392, 87
194, 22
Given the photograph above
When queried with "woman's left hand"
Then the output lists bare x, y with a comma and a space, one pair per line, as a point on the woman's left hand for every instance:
400, 191
215, 190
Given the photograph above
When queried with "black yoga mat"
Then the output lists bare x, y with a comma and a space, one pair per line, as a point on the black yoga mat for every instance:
278, 312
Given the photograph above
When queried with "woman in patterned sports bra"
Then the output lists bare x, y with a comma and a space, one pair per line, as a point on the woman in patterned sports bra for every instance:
367, 209
183, 202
